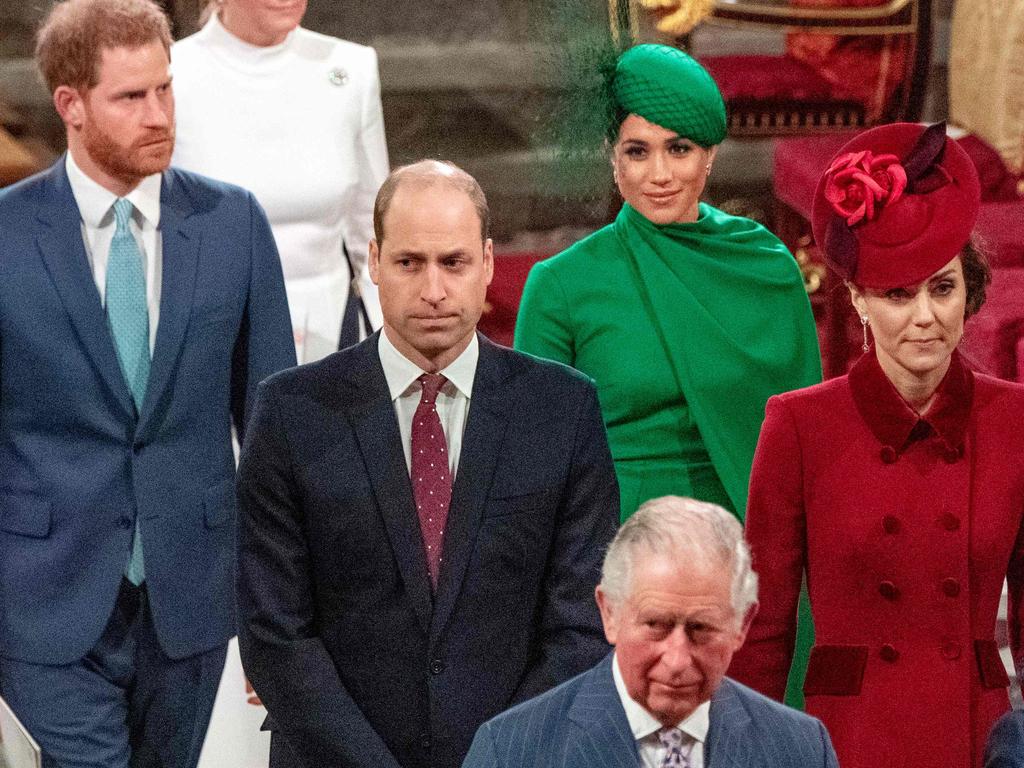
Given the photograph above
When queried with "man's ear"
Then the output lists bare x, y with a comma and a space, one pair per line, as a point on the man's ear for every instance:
69, 105
748, 620
374, 263
608, 615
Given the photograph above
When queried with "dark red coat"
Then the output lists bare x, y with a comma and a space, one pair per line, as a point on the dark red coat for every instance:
906, 528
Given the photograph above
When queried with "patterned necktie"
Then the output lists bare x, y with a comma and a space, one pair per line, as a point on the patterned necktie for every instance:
431, 480
128, 316
677, 746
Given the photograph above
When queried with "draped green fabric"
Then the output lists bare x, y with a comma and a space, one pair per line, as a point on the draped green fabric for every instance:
687, 329
730, 307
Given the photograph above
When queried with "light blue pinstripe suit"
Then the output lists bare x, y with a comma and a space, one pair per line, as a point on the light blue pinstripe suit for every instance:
581, 724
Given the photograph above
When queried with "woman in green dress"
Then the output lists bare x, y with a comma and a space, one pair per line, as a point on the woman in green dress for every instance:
687, 318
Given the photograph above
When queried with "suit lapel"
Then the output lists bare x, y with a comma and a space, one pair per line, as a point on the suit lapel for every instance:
605, 739
485, 429
376, 429
180, 252
63, 251
730, 744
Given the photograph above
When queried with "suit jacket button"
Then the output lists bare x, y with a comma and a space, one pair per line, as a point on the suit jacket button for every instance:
125, 522
891, 524
888, 454
425, 740
436, 667
950, 587
951, 650
888, 653
888, 590
950, 522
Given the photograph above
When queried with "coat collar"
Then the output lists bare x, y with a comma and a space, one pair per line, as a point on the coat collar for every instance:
896, 424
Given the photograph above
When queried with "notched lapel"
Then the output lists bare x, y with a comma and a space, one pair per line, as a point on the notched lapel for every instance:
486, 423
605, 739
63, 252
180, 237
730, 744
376, 430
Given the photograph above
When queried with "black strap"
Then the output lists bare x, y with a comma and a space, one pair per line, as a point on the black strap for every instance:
354, 308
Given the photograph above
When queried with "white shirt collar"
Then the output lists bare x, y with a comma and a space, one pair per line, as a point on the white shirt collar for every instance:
401, 373
95, 201
642, 723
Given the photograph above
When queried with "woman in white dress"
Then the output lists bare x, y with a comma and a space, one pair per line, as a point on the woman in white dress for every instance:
294, 116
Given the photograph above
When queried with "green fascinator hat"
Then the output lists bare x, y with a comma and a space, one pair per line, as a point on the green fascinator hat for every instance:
668, 87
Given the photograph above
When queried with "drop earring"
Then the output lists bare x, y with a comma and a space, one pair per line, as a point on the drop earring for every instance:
864, 327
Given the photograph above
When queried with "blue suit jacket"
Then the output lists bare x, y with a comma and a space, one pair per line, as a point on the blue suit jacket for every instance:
78, 464
357, 663
581, 724
1005, 747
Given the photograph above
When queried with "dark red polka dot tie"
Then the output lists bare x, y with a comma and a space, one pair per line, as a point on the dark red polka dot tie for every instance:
431, 479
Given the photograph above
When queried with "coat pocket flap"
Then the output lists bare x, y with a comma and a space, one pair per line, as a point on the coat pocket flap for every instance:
836, 670
990, 664
219, 503
25, 514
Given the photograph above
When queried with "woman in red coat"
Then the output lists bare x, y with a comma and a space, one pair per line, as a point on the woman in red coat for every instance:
897, 489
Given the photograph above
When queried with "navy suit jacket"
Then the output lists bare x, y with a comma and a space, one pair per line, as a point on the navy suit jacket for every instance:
356, 662
581, 724
1005, 747
78, 464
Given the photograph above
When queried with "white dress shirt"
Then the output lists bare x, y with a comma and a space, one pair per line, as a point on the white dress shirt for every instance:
452, 400
96, 207
645, 727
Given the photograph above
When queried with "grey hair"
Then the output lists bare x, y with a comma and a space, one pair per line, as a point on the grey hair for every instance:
686, 530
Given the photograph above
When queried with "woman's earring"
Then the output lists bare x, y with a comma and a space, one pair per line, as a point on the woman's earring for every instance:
707, 168
864, 327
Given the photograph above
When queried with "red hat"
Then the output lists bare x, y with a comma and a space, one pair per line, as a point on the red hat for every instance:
897, 203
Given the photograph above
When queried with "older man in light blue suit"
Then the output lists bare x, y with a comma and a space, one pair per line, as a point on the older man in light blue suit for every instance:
677, 596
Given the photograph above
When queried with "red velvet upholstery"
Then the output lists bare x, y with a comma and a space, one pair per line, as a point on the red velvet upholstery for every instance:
765, 78
498, 322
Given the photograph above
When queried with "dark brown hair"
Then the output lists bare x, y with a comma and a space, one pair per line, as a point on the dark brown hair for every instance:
428, 172
71, 40
977, 277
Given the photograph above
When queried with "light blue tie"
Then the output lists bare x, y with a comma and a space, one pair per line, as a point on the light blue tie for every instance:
128, 316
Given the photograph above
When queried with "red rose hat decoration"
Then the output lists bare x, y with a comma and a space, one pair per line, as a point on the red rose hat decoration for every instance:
896, 204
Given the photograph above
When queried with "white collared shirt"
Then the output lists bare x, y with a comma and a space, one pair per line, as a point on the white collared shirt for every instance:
96, 207
452, 400
645, 727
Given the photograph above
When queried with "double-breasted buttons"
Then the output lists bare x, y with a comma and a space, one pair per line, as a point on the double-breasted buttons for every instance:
891, 524
950, 587
887, 454
888, 653
950, 650
888, 590
950, 522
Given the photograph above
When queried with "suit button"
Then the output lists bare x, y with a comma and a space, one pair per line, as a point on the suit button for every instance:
888, 653
950, 522
950, 650
425, 740
888, 454
950, 587
436, 667
888, 590
125, 522
891, 524
137, 448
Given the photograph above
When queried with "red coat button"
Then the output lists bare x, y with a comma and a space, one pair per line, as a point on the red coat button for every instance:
950, 522
951, 455
888, 653
891, 524
888, 590
951, 650
888, 454
950, 587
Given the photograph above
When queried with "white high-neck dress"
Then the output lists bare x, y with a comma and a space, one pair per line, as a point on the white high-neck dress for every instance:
300, 125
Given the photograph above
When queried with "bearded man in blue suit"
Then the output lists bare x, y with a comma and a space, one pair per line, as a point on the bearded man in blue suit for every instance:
677, 595
139, 308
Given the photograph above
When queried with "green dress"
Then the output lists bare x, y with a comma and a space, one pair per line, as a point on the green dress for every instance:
687, 329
